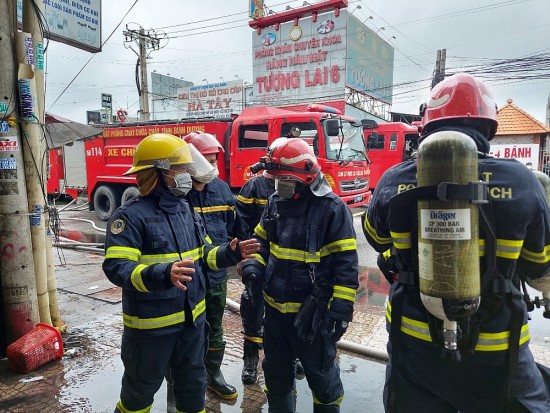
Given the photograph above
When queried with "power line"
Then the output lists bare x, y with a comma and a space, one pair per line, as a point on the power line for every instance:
92, 56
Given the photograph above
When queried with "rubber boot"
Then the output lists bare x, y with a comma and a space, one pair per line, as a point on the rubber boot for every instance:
251, 356
216, 381
280, 404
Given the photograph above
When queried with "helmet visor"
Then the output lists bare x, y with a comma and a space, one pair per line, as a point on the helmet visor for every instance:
200, 166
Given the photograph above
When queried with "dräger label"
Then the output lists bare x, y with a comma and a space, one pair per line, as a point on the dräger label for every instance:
445, 224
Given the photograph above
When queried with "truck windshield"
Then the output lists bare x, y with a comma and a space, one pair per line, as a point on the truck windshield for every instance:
348, 145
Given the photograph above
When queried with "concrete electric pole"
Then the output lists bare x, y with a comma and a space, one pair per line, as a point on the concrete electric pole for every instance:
145, 40
439, 71
17, 276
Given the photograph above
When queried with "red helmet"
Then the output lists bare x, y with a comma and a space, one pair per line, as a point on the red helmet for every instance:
205, 143
293, 158
460, 97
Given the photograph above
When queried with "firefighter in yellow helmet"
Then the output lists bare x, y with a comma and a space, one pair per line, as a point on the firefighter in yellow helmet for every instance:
154, 250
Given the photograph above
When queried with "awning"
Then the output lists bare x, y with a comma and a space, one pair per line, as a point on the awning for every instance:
60, 131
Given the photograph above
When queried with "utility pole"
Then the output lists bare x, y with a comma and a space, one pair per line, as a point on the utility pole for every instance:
17, 280
145, 40
439, 71
34, 154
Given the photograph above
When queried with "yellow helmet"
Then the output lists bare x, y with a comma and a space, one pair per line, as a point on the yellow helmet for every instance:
160, 150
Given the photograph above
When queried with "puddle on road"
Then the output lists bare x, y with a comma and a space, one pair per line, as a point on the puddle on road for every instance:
90, 383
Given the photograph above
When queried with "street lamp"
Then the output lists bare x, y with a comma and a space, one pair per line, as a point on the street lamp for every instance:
356, 7
381, 28
368, 18
204, 80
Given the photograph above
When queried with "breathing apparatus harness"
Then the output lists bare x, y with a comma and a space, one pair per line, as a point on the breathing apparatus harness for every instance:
494, 288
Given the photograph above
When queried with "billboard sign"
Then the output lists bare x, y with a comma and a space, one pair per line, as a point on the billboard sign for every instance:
303, 62
527, 154
217, 99
370, 61
76, 22
106, 101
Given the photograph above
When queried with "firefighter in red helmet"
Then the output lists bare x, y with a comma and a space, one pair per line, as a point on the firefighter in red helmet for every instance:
213, 200
495, 370
307, 260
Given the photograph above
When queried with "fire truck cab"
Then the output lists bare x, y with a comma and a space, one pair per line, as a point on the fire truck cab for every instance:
337, 141
388, 144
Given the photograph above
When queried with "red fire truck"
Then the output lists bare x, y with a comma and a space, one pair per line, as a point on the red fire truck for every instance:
337, 141
388, 144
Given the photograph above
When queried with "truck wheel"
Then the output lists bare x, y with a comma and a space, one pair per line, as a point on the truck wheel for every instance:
129, 193
106, 201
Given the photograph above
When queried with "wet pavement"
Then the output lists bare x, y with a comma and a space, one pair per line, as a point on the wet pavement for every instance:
88, 378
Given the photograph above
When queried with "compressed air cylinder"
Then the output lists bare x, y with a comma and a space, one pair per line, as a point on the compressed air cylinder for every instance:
543, 284
448, 250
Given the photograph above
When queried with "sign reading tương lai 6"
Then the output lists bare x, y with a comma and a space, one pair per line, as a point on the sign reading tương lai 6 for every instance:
314, 61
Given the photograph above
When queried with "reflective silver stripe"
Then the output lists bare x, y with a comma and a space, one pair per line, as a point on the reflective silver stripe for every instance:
401, 240
486, 342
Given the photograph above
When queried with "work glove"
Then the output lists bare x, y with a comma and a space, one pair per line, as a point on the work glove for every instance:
388, 268
336, 328
310, 316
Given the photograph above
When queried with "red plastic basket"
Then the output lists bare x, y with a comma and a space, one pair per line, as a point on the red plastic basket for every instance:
39, 346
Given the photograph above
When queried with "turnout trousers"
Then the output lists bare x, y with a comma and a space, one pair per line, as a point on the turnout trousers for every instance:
216, 298
469, 386
282, 346
146, 360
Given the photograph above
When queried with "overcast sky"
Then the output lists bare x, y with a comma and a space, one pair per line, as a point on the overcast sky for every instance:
212, 40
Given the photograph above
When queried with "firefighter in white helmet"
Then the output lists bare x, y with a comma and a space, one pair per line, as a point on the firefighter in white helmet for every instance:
496, 371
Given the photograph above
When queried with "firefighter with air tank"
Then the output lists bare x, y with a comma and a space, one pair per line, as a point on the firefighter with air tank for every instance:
457, 245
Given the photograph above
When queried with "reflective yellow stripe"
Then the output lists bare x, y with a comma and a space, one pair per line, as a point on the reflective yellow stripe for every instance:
537, 257
284, 308
199, 309
123, 252
387, 254
259, 258
217, 208
401, 240
345, 293
347, 244
508, 248
152, 323
149, 259
123, 409
486, 342
293, 254
260, 231
164, 321
500, 341
372, 232
336, 402
258, 201
211, 258
136, 279
258, 340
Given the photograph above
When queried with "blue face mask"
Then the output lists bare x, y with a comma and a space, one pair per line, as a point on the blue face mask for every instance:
182, 184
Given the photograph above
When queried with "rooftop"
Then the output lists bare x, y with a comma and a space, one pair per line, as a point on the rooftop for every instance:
515, 121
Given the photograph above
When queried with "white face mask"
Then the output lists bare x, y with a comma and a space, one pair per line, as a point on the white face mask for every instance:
182, 184
208, 177
285, 188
